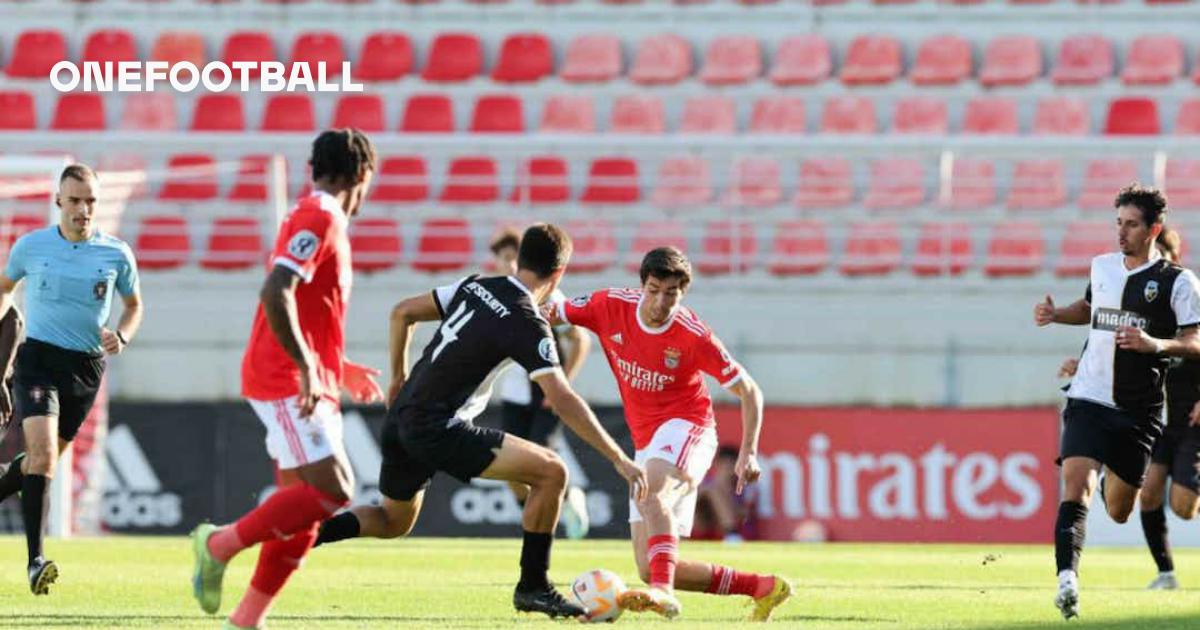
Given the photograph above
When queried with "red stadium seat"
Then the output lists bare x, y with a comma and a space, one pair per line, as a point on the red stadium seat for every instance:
592, 59
872, 60
471, 180
428, 113
1132, 116
1153, 60
942, 60
17, 112
15, 225
972, 184
682, 183
661, 60
1084, 60
163, 242
895, 183
110, 45
542, 179
714, 114
920, 114
190, 177
652, 234
825, 183
779, 114
801, 60
1082, 241
993, 115
79, 111
255, 46
755, 183
1037, 185
638, 115
218, 112
233, 243
454, 57
943, 248
872, 249
1011, 60
401, 179
385, 56
35, 53
612, 181
565, 113
1102, 178
1181, 183
1015, 249
375, 243
732, 60
847, 113
524, 58
498, 113
444, 245
361, 111
727, 247
315, 47
148, 111
1062, 116
595, 245
250, 182
176, 47
1187, 121
799, 248
289, 112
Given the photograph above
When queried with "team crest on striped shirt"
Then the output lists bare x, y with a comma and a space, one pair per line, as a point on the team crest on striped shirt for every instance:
671, 357
1151, 290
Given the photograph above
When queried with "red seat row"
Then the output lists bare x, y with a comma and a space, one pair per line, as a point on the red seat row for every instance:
1151, 59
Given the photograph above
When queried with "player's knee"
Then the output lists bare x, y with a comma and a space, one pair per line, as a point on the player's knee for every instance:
1150, 500
397, 527
554, 474
40, 461
1185, 507
652, 503
1119, 513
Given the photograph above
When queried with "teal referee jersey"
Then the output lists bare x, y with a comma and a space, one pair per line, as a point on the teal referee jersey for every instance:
69, 292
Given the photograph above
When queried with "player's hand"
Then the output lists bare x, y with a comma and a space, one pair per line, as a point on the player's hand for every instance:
1068, 368
110, 341
1043, 312
359, 381
550, 312
1136, 340
310, 392
635, 476
747, 470
1194, 416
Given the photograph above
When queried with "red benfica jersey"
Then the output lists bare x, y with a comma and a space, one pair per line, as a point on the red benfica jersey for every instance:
313, 243
657, 370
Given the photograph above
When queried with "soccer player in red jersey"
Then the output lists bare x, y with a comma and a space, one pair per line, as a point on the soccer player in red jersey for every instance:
658, 351
292, 373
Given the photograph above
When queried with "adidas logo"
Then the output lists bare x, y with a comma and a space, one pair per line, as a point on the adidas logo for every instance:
617, 338
133, 494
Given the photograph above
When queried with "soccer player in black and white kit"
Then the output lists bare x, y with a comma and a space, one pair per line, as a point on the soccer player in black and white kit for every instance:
429, 428
1142, 310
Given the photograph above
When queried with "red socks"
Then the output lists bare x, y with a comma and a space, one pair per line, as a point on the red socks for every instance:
662, 552
276, 563
726, 581
289, 511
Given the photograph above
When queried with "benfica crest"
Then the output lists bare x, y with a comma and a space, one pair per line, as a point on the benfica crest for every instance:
671, 357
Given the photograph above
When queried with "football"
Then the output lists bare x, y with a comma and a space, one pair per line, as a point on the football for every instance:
597, 591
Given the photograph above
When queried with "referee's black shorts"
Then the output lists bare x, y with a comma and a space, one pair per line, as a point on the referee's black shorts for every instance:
1114, 437
414, 448
53, 381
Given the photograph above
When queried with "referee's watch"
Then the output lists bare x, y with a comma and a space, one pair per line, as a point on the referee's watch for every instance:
122, 339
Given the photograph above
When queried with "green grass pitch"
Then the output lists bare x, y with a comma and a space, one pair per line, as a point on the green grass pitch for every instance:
121, 582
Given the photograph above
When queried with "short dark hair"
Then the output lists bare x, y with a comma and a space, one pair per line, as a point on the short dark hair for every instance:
342, 155
508, 237
78, 171
545, 249
1150, 201
665, 263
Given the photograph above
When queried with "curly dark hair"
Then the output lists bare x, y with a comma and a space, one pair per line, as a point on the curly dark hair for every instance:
1150, 201
343, 155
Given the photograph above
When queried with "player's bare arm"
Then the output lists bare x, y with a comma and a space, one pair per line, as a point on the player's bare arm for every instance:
1077, 314
747, 391
405, 314
278, 297
114, 341
1185, 344
579, 417
581, 344
12, 327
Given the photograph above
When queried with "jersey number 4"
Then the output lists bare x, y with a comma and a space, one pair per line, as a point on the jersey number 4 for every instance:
450, 328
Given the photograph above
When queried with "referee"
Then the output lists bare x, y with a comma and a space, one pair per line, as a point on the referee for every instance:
73, 270
1141, 309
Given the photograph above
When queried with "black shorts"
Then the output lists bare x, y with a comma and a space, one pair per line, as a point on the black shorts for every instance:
53, 381
1113, 437
1179, 450
415, 448
531, 422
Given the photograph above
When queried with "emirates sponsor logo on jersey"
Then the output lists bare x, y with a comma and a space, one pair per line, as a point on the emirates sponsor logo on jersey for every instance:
640, 378
1111, 319
671, 358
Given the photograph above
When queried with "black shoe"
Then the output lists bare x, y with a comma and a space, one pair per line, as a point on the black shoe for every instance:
546, 600
42, 573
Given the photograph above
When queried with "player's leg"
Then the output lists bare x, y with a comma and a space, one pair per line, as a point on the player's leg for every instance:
1080, 476
41, 448
1154, 522
517, 419
1185, 477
